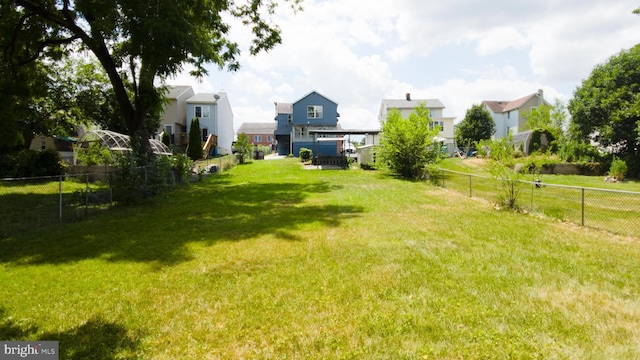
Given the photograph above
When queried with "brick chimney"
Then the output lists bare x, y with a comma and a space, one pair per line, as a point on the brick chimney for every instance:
408, 96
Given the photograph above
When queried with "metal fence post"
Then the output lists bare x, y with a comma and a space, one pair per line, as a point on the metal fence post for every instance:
86, 197
582, 206
60, 199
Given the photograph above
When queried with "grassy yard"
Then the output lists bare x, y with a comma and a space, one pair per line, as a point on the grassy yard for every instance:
271, 261
479, 167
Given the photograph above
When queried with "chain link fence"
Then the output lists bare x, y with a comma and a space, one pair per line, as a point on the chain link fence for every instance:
34, 202
611, 210
27, 203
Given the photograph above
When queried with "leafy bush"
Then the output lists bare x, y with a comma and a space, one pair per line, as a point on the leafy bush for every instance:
31, 163
243, 148
166, 138
133, 183
578, 151
94, 154
305, 154
618, 169
181, 165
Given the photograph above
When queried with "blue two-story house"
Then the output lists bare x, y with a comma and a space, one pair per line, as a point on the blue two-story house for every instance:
295, 121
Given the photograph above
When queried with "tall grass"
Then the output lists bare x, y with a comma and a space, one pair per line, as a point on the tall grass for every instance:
272, 261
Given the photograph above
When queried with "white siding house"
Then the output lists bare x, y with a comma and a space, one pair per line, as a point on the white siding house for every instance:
508, 115
216, 118
408, 105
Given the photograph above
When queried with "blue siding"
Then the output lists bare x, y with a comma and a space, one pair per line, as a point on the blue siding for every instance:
321, 149
283, 127
299, 117
329, 111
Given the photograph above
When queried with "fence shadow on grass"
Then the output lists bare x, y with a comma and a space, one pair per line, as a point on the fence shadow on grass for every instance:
95, 339
160, 231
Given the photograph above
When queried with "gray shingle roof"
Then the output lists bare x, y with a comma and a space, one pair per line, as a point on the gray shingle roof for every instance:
411, 104
508, 105
257, 128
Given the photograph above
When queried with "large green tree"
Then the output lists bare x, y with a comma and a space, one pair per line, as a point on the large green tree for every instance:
606, 106
552, 118
407, 143
136, 42
477, 125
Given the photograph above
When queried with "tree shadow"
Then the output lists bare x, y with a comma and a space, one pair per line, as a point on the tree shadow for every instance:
22, 212
159, 232
97, 338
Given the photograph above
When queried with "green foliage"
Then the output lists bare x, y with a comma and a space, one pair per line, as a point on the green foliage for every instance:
243, 148
30, 163
618, 169
133, 183
305, 154
407, 144
182, 166
607, 104
166, 138
137, 43
194, 148
477, 125
508, 171
542, 140
94, 154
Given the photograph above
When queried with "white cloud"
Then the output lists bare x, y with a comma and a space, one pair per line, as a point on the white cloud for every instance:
357, 52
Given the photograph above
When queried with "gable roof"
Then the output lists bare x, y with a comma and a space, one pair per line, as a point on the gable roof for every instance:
257, 128
174, 92
205, 98
411, 104
317, 93
504, 106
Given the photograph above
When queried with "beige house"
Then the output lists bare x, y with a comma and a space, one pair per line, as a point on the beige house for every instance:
174, 117
407, 105
63, 145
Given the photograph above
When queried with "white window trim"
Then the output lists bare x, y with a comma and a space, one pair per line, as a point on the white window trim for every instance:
316, 112
205, 111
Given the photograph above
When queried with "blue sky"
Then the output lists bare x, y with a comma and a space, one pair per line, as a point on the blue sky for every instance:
357, 52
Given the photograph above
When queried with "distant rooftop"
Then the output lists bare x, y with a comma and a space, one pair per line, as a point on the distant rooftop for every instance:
412, 103
257, 128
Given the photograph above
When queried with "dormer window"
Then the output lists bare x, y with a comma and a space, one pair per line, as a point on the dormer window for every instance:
314, 112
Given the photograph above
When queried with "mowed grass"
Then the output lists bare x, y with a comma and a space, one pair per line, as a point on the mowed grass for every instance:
271, 261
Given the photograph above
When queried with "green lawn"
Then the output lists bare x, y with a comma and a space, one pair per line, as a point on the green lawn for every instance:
270, 261
479, 167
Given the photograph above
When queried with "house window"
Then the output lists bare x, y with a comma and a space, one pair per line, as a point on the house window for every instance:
314, 112
301, 132
168, 129
257, 138
289, 118
202, 112
433, 124
269, 138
